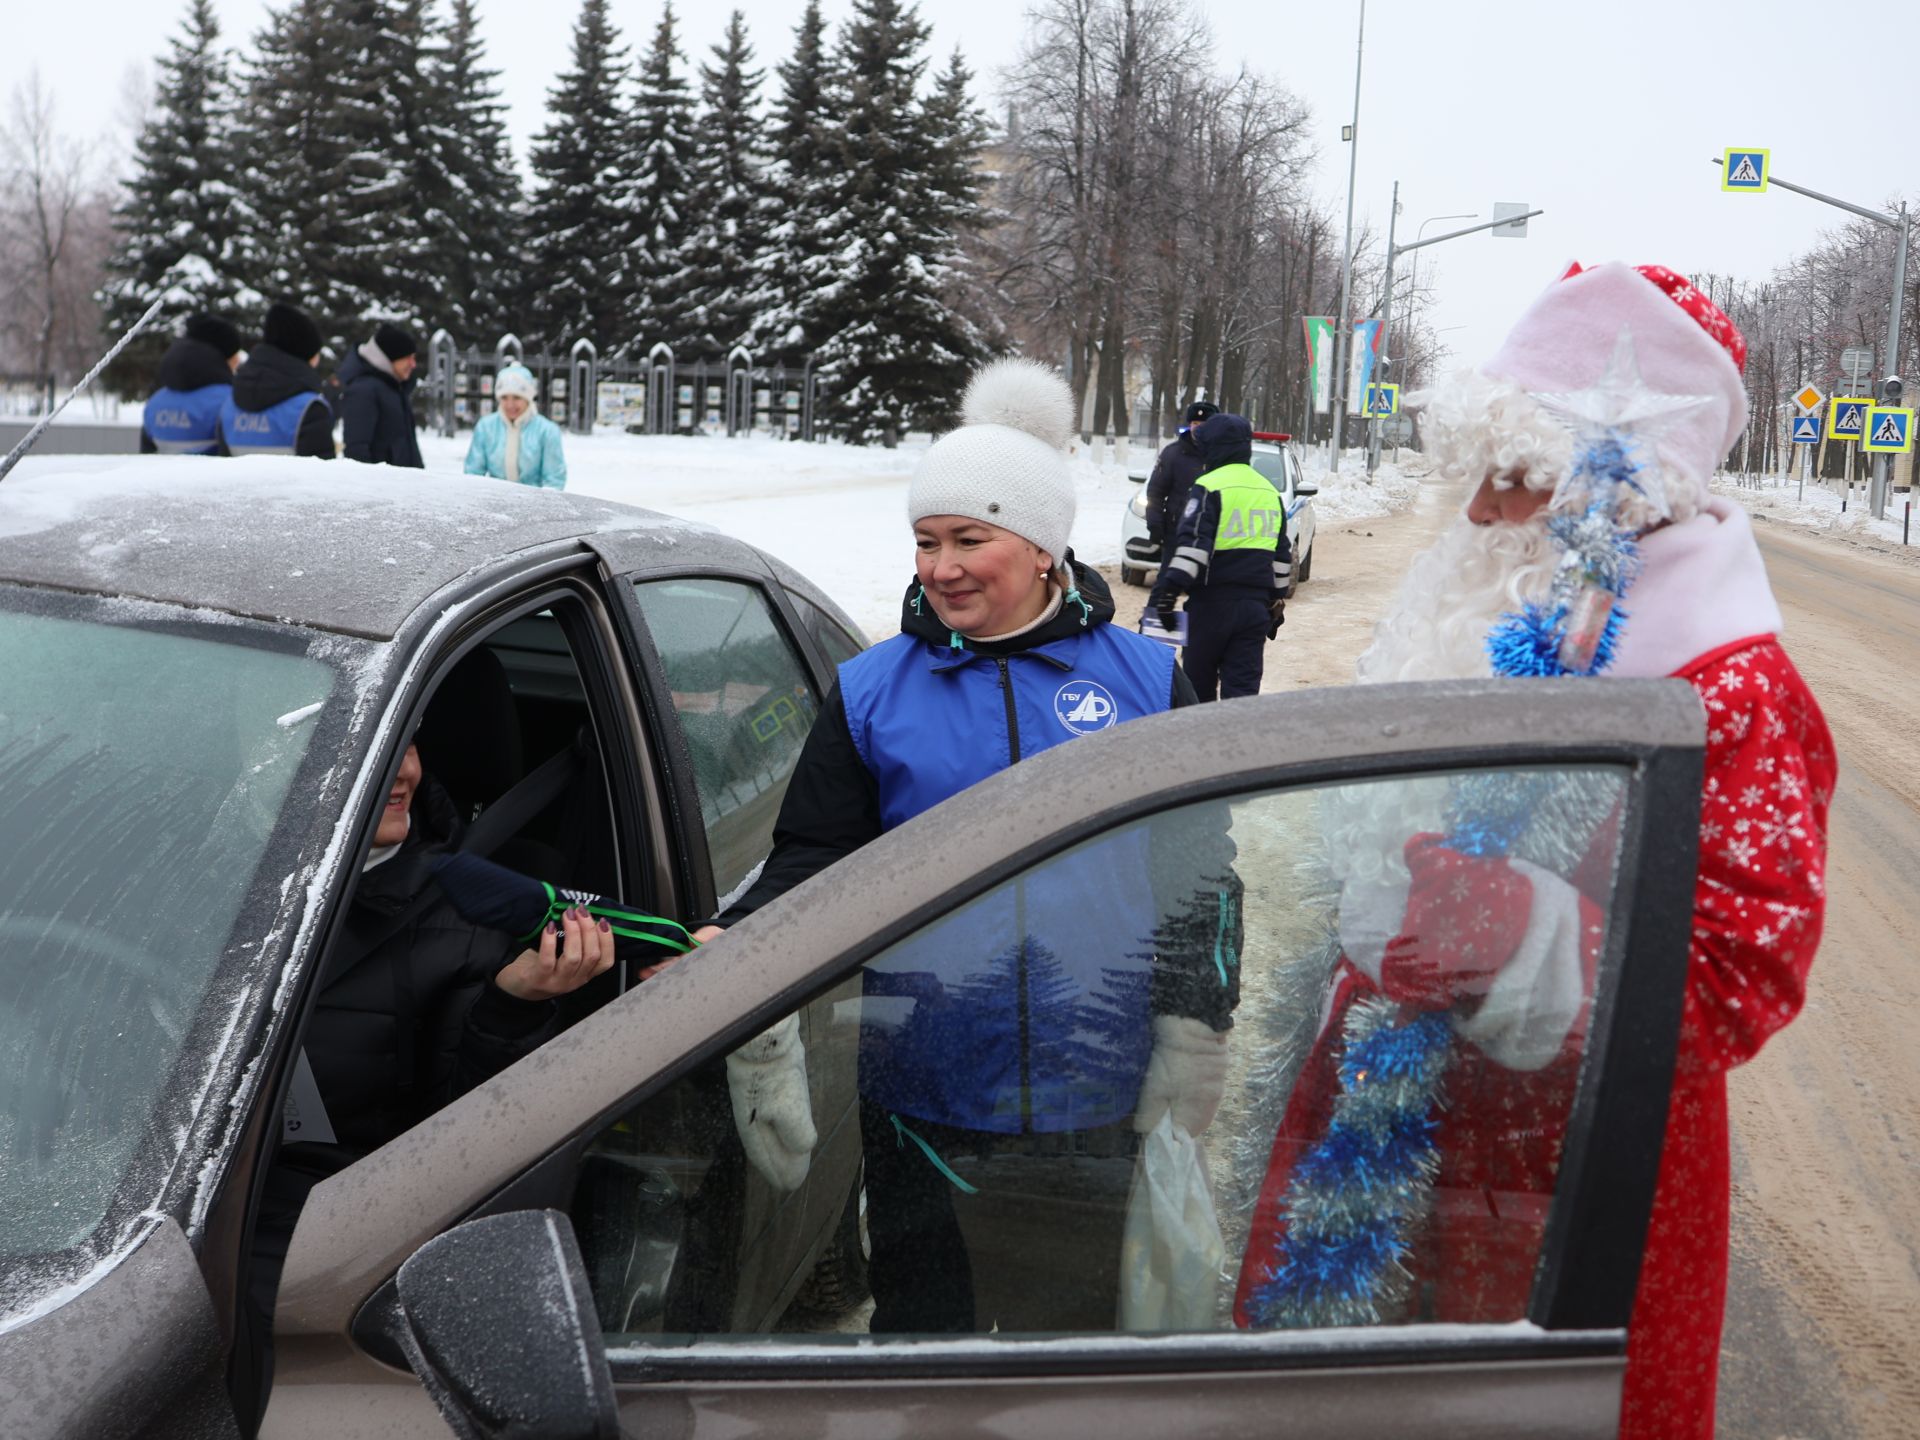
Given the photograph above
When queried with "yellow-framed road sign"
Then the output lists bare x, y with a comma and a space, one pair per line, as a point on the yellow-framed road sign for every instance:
1745, 168
1889, 430
1847, 416
1383, 399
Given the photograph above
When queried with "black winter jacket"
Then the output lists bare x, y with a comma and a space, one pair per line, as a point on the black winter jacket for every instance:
1179, 465
189, 364
832, 808
408, 1019
376, 416
270, 375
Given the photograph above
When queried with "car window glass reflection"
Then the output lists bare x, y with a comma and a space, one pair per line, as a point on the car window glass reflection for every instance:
745, 705
1298, 1060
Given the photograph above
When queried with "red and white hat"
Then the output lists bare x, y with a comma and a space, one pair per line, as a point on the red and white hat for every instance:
1683, 342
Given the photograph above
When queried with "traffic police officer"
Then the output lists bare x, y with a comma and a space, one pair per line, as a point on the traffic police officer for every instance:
1232, 560
196, 377
1172, 479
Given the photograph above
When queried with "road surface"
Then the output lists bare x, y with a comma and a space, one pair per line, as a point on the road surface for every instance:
1823, 1314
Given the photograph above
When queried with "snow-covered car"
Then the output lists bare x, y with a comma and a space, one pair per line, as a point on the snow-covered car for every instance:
1274, 457
212, 670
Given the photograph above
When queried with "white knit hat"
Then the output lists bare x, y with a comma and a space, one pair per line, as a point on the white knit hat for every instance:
515, 380
1005, 465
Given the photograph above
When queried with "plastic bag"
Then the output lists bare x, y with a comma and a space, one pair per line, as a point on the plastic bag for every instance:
1171, 1251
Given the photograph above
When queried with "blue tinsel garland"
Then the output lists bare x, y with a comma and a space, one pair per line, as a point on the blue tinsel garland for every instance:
1354, 1197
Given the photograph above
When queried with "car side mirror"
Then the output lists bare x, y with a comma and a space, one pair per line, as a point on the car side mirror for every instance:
1139, 477
499, 1325
1303, 491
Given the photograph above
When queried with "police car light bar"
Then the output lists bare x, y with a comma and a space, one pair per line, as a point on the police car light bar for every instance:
1270, 435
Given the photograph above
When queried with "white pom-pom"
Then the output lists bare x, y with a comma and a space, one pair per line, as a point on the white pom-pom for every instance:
1023, 395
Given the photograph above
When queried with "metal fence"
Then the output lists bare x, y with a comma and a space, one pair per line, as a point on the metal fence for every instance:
655, 393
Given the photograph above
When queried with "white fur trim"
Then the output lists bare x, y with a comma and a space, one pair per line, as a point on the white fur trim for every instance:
1702, 585
1532, 1005
514, 380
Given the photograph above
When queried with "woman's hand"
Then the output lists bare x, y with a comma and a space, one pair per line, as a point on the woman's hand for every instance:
571, 952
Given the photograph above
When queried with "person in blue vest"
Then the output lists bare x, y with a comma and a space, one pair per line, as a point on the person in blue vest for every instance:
517, 442
276, 407
1232, 560
1011, 1055
376, 400
196, 375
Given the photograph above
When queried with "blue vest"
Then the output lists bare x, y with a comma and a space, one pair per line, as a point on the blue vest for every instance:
186, 422
1029, 1009
273, 431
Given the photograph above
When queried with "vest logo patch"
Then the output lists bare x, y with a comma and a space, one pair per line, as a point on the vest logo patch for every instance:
1084, 707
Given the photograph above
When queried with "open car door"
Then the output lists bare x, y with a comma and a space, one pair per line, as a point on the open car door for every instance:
1261, 860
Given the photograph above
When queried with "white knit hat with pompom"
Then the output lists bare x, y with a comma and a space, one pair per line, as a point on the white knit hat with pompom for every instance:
1006, 464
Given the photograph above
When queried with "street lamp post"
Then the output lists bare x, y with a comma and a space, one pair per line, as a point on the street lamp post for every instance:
1344, 321
1393, 253
1387, 360
1889, 387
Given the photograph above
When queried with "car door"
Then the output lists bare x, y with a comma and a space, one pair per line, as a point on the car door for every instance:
1600, 784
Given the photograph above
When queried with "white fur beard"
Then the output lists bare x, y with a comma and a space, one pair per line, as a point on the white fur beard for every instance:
1437, 628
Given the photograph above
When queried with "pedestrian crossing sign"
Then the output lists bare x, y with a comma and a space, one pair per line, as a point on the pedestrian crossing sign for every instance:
1383, 399
1745, 170
1847, 417
1889, 430
1806, 429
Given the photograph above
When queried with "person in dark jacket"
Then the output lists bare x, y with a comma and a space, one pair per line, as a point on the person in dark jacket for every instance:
196, 376
276, 407
416, 1007
1011, 1055
1180, 463
1233, 561
376, 401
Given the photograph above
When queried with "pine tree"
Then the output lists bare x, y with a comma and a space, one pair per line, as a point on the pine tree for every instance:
957, 132
478, 236
795, 257
730, 204
176, 225
662, 142
580, 218
287, 162
894, 355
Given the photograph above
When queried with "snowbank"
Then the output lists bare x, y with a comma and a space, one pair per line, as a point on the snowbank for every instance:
836, 513
1819, 508
1352, 494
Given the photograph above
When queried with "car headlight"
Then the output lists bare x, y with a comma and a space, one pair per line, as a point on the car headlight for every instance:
1138, 505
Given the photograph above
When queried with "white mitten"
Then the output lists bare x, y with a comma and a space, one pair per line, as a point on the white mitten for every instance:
1186, 1074
767, 1078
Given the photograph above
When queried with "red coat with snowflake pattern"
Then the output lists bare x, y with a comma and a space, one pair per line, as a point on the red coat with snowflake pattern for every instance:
1759, 898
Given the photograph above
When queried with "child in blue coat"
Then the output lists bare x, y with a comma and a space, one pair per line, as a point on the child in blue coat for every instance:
516, 442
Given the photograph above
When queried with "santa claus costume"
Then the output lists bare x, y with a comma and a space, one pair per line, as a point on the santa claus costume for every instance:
1666, 366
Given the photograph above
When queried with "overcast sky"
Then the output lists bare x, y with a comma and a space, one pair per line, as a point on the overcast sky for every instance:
1604, 115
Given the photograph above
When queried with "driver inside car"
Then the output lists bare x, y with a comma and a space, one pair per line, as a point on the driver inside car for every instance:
417, 1005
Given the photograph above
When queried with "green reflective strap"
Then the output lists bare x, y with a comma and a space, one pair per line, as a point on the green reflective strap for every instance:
926, 1149
620, 921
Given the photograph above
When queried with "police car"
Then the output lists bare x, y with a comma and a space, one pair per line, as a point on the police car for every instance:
1275, 458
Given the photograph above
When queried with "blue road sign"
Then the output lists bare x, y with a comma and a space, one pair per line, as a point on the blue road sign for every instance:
1847, 417
1806, 430
1383, 399
1889, 430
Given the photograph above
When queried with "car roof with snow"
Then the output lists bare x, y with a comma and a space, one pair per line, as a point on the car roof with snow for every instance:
331, 545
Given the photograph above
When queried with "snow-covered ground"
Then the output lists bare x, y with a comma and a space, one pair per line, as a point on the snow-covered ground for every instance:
1819, 508
837, 513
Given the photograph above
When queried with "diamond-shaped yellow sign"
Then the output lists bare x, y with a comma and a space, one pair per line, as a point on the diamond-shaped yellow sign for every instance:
1809, 399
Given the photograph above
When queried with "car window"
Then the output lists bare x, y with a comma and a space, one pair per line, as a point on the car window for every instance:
1368, 1000
145, 773
835, 643
1271, 464
745, 705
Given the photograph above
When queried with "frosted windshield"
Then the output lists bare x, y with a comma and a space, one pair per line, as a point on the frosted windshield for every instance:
144, 770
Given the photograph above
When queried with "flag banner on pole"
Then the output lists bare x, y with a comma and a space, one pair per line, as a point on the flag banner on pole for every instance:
1320, 362
1366, 346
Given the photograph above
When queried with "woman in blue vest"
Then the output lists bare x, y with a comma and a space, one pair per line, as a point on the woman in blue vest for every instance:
516, 442
1011, 1055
